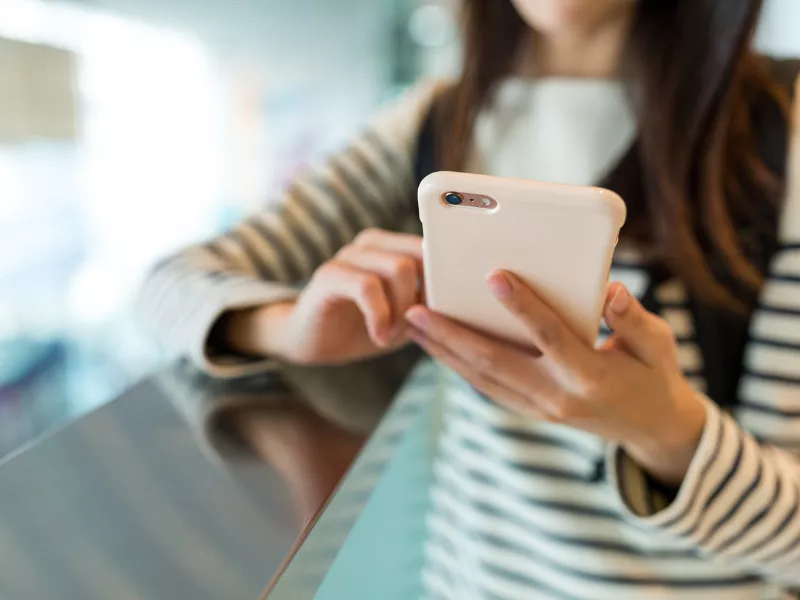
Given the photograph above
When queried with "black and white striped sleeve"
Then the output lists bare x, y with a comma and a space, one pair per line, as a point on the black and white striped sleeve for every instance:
262, 259
740, 501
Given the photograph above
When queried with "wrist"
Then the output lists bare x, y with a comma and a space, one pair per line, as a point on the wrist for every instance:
260, 331
668, 451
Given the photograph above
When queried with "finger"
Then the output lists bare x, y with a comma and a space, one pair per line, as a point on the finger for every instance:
484, 383
399, 273
390, 241
548, 331
643, 334
401, 243
507, 364
365, 290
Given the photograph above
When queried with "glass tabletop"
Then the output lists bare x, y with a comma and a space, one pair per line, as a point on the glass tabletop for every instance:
368, 541
135, 501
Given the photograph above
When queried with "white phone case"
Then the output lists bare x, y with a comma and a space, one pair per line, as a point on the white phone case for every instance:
558, 238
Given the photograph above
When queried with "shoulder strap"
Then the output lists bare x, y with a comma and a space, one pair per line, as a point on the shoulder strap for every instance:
721, 336
425, 161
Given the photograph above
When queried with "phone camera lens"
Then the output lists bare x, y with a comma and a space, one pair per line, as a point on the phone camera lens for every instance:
453, 198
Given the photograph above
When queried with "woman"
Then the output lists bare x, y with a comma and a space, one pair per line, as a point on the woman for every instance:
583, 473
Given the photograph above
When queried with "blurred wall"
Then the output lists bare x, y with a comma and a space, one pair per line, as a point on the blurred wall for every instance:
780, 28
330, 40
178, 116
295, 76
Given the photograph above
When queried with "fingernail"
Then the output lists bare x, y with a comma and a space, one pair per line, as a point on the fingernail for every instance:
418, 317
500, 285
620, 300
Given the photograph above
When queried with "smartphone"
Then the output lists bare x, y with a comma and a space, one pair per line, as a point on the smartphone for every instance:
559, 239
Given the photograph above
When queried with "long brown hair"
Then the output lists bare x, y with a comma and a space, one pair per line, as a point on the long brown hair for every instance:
694, 176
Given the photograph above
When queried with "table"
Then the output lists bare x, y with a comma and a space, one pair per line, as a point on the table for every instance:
368, 543
128, 503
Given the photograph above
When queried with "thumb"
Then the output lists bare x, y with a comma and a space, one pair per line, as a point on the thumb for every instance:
644, 335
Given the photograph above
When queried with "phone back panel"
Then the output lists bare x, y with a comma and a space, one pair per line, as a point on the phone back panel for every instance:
559, 239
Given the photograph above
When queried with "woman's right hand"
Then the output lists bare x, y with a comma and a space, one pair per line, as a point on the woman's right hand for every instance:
352, 309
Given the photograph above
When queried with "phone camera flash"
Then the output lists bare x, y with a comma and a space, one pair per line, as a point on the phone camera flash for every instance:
485, 201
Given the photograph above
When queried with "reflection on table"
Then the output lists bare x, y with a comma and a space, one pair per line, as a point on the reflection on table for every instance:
368, 542
130, 502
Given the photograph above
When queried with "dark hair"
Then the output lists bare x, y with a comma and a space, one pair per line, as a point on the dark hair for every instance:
694, 178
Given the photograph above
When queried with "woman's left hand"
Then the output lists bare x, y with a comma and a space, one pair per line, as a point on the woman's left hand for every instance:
630, 391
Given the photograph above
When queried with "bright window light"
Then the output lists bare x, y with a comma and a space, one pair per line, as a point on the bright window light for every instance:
149, 164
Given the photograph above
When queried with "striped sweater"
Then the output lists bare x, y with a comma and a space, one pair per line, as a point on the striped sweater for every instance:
523, 509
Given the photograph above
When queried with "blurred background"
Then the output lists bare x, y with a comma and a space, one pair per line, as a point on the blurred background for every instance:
129, 128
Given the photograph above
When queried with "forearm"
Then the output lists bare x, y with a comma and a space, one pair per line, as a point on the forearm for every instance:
183, 299
667, 451
258, 331
739, 501
259, 261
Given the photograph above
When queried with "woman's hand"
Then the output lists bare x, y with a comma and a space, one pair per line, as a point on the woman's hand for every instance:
630, 391
352, 308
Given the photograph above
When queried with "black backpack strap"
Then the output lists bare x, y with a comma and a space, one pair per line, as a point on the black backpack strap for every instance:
722, 336
425, 161
722, 339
